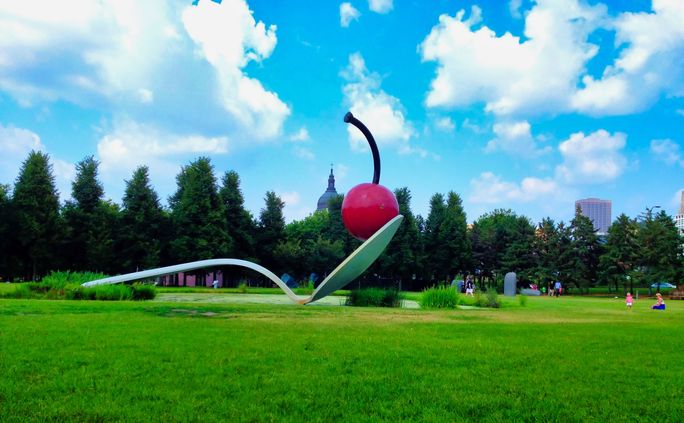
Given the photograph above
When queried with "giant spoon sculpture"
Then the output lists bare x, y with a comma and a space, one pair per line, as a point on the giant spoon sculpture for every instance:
370, 212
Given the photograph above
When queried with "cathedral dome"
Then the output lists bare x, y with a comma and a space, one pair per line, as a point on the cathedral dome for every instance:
328, 194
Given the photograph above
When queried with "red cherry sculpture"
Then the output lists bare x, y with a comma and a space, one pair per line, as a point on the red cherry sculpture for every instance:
369, 206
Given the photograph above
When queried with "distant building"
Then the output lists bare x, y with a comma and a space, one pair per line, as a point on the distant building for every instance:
679, 217
328, 194
599, 211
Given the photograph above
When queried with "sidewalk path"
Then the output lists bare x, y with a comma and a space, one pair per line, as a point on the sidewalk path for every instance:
253, 299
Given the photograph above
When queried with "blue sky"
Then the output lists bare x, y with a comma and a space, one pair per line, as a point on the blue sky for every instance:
512, 104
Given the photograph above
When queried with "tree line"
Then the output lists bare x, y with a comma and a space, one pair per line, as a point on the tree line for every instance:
206, 218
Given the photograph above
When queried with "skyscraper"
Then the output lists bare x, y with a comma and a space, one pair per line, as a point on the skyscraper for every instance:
599, 211
679, 217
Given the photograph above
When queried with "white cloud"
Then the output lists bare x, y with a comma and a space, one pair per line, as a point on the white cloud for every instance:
489, 188
380, 6
348, 13
125, 54
470, 125
82, 55
341, 172
514, 8
667, 151
509, 74
547, 71
146, 96
648, 65
16, 144
594, 158
131, 144
515, 138
301, 135
294, 209
229, 39
381, 113
445, 124
304, 153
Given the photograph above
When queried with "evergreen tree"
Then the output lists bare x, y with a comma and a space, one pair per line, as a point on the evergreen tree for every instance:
271, 229
621, 254
492, 236
433, 244
587, 251
197, 215
142, 224
6, 233
336, 229
661, 249
239, 221
565, 254
400, 259
453, 238
519, 253
544, 253
36, 215
91, 222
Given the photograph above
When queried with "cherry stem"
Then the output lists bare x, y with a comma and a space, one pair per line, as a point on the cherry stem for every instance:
349, 118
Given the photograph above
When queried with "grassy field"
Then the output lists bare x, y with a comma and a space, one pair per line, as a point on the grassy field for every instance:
567, 359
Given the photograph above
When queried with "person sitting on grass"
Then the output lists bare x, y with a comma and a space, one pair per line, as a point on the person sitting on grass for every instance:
660, 304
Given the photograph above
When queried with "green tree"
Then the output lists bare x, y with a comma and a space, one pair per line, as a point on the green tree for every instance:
197, 215
271, 230
336, 230
433, 244
621, 252
91, 222
544, 253
587, 251
400, 259
453, 238
661, 249
36, 215
495, 239
143, 223
519, 253
323, 255
239, 221
6, 233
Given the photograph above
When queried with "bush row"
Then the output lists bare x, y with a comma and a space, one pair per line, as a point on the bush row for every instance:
448, 297
67, 285
374, 297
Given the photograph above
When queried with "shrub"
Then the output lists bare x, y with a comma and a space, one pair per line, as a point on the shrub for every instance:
306, 288
113, 292
522, 300
440, 297
242, 287
374, 297
59, 280
143, 292
492, 298
21, 290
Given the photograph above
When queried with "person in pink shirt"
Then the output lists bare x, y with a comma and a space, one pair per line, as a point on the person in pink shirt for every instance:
629, 300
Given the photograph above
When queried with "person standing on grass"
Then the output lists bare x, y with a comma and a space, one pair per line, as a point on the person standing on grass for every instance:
469, 286
557, 287
629, 300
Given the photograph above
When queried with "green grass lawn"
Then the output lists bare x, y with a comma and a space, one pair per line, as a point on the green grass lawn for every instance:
567, 359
